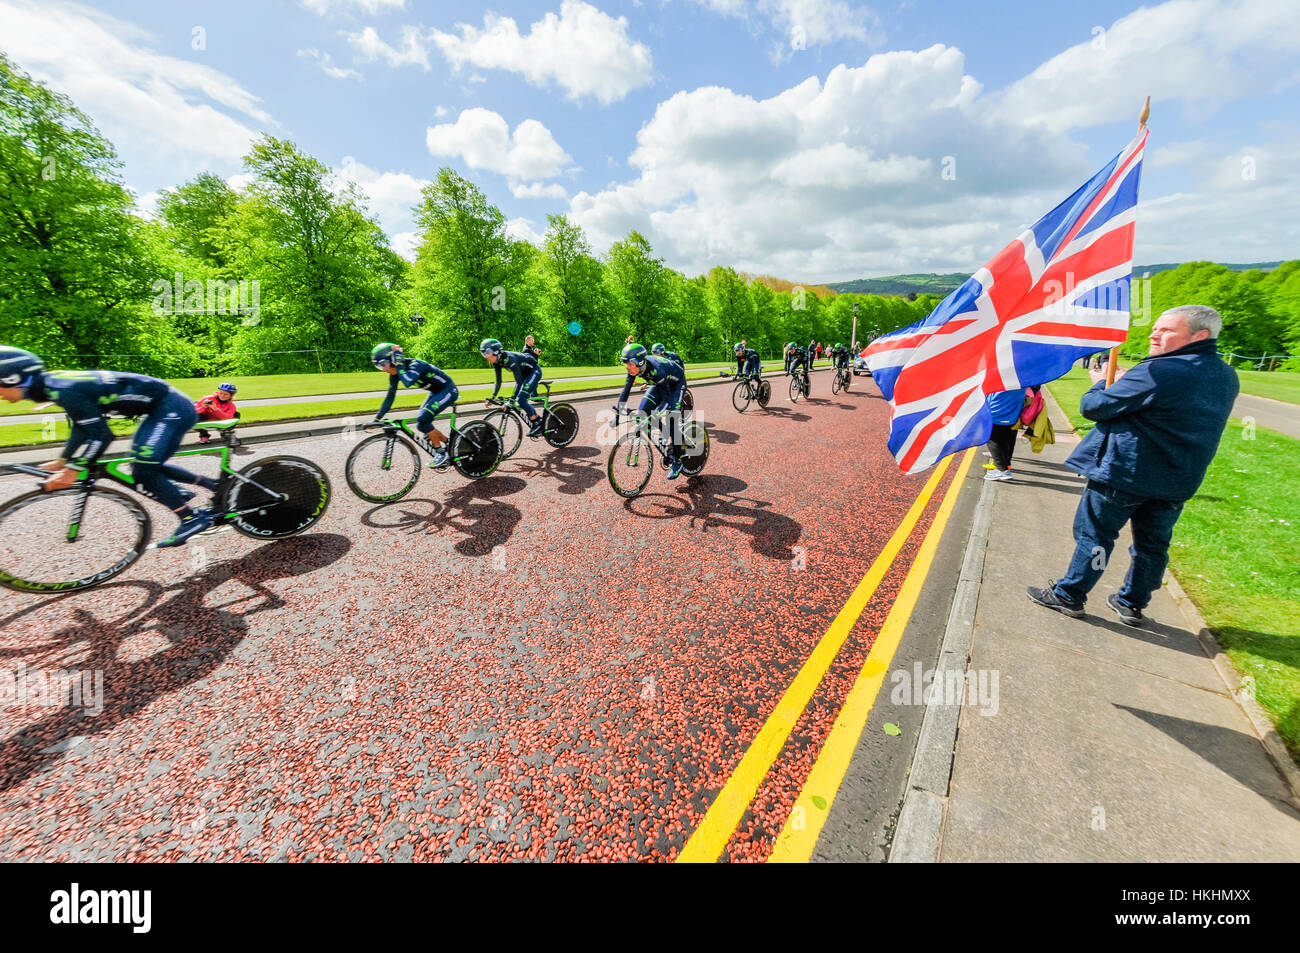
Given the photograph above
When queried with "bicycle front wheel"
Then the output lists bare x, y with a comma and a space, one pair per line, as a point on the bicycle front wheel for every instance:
382, 469
561, 425
631, 461
796, 389
47, 546
740, 396
511, 431
837, 383
475, 450
277, 497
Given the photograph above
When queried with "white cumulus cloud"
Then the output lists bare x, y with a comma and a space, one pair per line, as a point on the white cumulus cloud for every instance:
482, 138
584, 51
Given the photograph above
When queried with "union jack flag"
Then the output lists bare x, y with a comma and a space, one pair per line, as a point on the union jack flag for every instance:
1056, 293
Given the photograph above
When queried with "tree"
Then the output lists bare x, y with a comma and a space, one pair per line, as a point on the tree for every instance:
75, 271
463, 265
196, 213
638, 283
732, 307
327, 279
576, 308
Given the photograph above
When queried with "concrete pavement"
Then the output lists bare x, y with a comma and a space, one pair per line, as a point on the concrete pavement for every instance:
1272, 414
1102, 742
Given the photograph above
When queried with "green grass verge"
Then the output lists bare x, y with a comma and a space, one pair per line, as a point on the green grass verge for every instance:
305, 385
363, 408
1068, 391
1234, 553
1279, 385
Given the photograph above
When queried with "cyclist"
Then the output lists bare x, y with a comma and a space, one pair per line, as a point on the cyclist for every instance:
667, 380
799, 357
839, 356
443, 392
219, 405
528, 373
658, 350
88, 397
747, 362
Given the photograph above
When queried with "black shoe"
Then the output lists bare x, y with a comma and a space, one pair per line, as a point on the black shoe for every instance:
1048, 597
191, 525
536, 429
1127, 614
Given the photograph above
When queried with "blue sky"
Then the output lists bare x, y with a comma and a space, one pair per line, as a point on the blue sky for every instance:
817, 140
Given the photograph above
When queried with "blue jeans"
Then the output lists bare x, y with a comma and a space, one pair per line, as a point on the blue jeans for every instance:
1102, 513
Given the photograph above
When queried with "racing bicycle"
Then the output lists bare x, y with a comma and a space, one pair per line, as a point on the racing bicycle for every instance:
748, 388
385, 467
632, 458
799, 384
71, 539
841, 380
559, 422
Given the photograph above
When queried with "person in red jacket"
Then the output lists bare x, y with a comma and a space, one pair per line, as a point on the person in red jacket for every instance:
219, 405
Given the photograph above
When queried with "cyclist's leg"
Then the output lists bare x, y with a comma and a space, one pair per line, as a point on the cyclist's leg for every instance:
526, 390
652, 401
755, 369
156, 440
433, 405
674, 406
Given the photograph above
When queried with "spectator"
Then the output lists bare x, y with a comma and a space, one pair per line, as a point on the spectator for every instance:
219, 405
1005, 408
1158, 428
531, 348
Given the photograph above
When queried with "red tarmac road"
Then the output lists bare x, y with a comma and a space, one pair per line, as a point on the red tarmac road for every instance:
523, 667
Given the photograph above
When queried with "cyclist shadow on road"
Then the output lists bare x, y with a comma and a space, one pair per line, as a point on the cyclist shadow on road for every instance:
473, 509
723, 436
713, 501
787, 413
199, 638
568, 466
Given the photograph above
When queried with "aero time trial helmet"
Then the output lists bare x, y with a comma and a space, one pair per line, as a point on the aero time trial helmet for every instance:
17, 366
490, 346
230, 388
658, 349
633, 352
385, 353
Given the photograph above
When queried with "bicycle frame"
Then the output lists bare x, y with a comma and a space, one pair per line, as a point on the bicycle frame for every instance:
114, 470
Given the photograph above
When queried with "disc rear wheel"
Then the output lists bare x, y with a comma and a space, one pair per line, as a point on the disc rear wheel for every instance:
561, 425
695, 447
475, 450
277, 497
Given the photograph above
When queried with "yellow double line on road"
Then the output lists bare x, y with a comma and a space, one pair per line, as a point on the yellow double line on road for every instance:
797, 840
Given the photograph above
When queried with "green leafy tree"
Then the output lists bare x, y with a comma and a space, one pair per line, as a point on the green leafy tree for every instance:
328, 280
639, 285
75, 271
196, 214
577, 309
464, 267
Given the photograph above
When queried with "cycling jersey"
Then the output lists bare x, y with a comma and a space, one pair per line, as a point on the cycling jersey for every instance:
747, 362
89, 397
528, 374
798, 358
840, 356
415, 373
657, 371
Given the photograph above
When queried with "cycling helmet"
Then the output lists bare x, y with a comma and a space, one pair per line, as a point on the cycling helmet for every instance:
228, 387
658, 349
17, 366
635, 353
740, 346
490, 346
838, 345
385, 353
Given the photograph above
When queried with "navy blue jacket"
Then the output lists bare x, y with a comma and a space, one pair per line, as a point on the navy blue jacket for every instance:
1158, 426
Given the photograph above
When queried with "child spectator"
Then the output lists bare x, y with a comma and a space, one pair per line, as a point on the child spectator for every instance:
219, 405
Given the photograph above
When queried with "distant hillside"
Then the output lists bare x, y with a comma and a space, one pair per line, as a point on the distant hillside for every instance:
943, 284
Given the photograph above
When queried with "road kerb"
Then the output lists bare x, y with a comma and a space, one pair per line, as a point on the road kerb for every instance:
918, 834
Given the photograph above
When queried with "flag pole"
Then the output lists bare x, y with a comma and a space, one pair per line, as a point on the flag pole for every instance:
1114, 352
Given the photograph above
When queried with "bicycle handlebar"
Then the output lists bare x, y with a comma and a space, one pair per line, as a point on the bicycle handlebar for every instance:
26, 469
